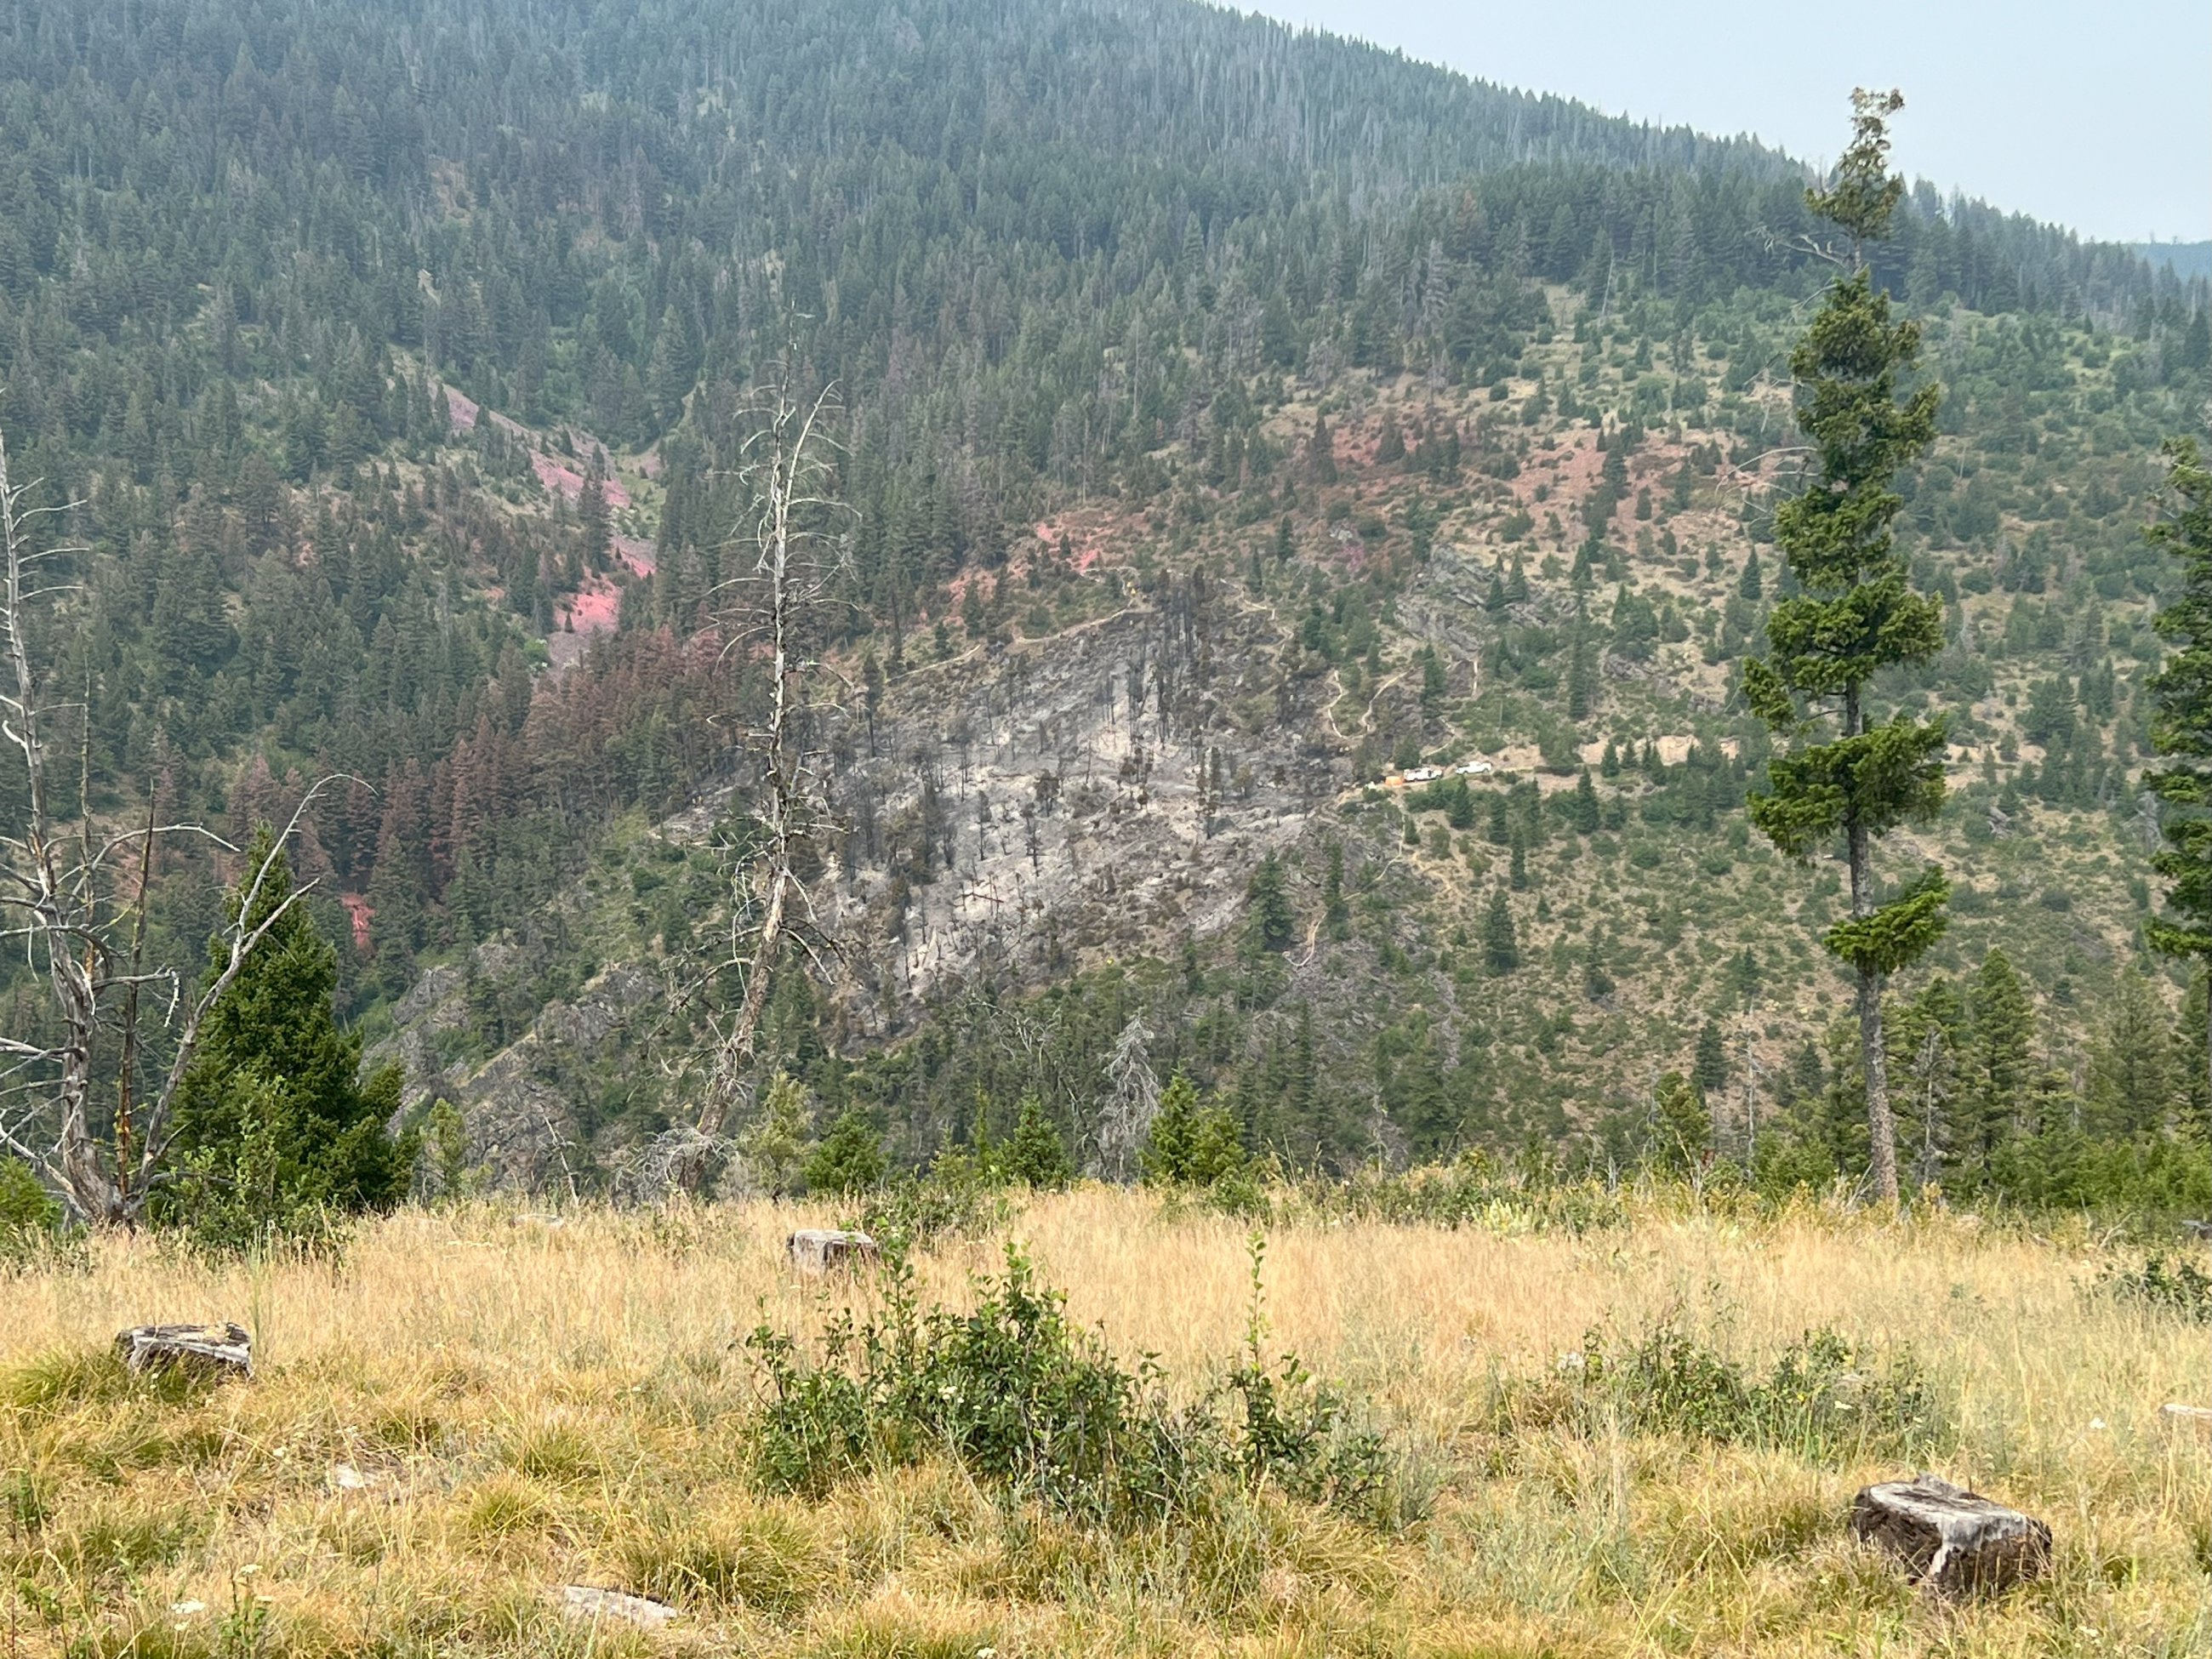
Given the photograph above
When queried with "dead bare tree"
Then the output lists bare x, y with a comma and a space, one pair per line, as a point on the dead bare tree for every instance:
58, 890
798, 553
1133, 1100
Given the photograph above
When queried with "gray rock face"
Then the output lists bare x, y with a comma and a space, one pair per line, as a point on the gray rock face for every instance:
1953, 1541
818, 1249
213, 1351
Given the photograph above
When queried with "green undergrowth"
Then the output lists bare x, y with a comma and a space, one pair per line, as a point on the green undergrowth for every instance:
1472, 1192
2179, 1287
1034, 1406
1825, 1399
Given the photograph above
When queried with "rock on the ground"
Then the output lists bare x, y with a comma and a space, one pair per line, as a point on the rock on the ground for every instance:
215, 1351
1955, 1542
817, 1250
583, 1602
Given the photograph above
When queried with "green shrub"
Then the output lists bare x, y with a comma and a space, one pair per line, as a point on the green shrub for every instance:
954, 1199
1034, 1153
277, 1134
1190, 1143
29, 1217
1031, 1404
850, 1158
25, 1205
1471, 1192
2183, 1288
1822, 1400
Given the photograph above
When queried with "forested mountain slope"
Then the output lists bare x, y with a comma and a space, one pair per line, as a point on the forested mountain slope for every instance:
1232, 418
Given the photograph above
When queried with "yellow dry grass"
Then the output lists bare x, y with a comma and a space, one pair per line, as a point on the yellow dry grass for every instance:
476, 1409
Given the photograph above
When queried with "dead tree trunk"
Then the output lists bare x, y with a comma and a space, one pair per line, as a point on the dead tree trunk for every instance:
794, 563
56, 884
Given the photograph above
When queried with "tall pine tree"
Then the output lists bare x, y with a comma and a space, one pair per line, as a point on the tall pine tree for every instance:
1854, 613
2181, 731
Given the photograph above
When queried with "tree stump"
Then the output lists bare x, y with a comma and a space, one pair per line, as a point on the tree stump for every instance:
2186, 1420
209, 1350
1955, 1542
818, 1249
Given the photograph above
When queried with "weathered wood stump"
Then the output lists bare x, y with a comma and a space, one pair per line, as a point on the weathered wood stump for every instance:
210, 1351
1954, 1541
2177, 1419
818, 1249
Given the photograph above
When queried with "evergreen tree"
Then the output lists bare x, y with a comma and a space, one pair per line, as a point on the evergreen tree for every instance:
1321, 450
2131, 1086
1682, 1127
1501, 947
594, 531
1596, 981
850, 1158
1267, 913
1924, 1039
1432, 682
1190, 1144
1855, 614
1517, 864
25, 1207
1496, 829
1709, 1068
1035, 1153
1585, 808
1742, 978
275, 1130
2181, 729
1749, 586
1581, 678
1335, 914
775, 1146
1999, 1064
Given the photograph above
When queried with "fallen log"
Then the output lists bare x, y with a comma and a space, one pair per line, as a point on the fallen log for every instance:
1953, 1541
210, 1351
818, 1249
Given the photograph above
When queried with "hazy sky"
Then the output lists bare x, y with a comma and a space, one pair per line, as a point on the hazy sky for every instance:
2099, 119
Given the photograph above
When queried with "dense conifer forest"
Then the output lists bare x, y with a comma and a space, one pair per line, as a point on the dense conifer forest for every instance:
1227, 420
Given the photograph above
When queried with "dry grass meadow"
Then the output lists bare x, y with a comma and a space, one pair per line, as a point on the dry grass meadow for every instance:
474, 1408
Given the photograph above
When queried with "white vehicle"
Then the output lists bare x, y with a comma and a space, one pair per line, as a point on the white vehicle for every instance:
1423, 773
1472, 768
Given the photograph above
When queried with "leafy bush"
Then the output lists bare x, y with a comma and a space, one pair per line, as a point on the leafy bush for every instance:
29, 1217
954, 1199
1821, 1400
2184, 1288
1033, 1405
